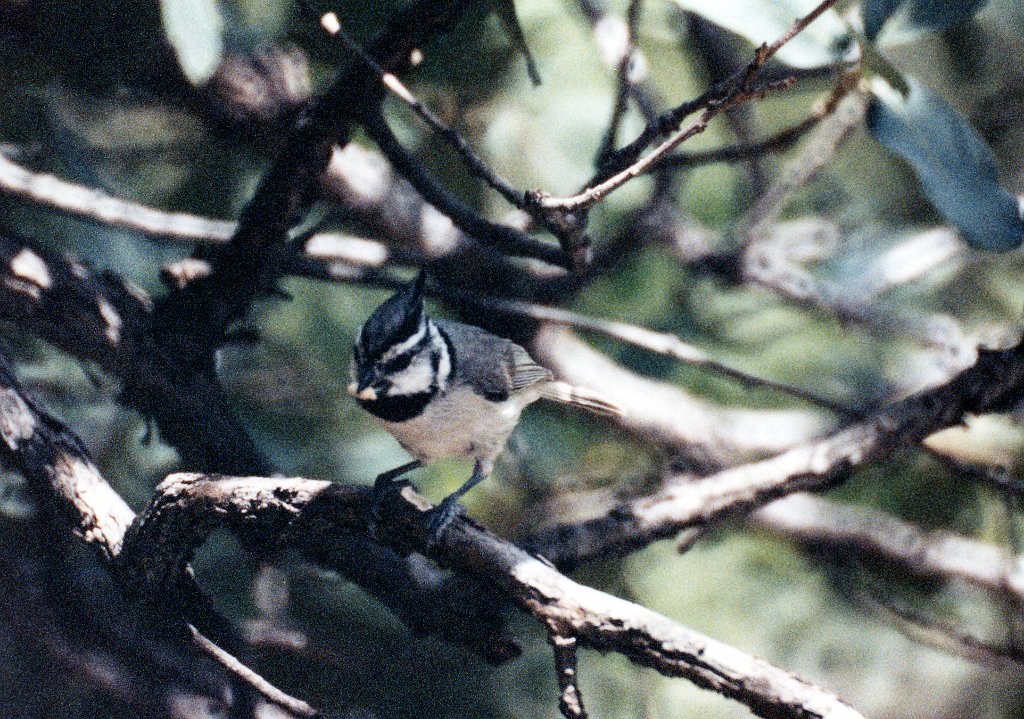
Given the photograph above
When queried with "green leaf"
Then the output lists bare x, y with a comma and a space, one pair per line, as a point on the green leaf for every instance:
928, 15
957, 170
195, 30
822, 43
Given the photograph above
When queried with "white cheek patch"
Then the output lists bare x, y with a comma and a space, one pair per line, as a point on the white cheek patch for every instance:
403, 347
444, 364
417, 377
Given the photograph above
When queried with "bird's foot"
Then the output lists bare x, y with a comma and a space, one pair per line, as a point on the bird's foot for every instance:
441, 517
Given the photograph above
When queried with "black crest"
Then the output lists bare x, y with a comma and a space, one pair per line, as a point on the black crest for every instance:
396, 320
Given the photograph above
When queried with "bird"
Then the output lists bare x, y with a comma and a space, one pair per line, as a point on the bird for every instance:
445, 389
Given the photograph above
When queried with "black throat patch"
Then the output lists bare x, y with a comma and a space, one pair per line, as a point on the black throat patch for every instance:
400, 408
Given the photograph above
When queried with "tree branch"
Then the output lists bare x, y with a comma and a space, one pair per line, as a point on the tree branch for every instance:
189, 506
501, 237
721, 96
192, 321
64, 477
569, 702
937, 554
993, 384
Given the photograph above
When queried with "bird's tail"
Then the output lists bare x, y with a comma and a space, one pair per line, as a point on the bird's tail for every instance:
566, 393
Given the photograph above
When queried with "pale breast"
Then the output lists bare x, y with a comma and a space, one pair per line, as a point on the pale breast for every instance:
460, 423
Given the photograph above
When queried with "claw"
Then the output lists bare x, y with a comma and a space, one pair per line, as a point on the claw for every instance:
441, 517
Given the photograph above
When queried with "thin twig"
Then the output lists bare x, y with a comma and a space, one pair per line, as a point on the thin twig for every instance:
779, 141
598, 192
735, 90
624, 82
782, 140
574, 243
330, 23
847, 114
227, 660
501, 237
570, 702
722, 95
661, 343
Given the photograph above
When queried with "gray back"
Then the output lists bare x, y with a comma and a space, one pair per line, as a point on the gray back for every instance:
492, 366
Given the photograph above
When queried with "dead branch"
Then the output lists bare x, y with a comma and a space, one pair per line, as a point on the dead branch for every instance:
65, 478
569, 702
189, 506
872, 533
739, 87
664, 414
993, 384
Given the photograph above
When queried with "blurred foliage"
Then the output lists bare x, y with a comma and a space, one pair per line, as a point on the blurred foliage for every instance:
84, 98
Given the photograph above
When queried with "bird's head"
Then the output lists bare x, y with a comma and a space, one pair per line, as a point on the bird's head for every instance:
394, 353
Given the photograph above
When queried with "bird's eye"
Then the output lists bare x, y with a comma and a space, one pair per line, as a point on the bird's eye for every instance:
397, 364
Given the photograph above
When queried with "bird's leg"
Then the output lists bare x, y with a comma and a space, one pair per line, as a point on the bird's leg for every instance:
385, 483
449, 508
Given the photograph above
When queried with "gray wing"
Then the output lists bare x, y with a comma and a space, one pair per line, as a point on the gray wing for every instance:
525, 371
493, 366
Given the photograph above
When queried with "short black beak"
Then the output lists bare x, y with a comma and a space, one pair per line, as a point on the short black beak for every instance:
362, 388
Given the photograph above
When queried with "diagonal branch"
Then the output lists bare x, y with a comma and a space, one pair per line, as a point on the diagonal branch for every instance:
501, 237
61, 473
627, 163
190, 506
193, 320
872, 533
994, 383
93, 203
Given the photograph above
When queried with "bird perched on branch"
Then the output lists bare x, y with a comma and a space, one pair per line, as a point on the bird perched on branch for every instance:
446, 389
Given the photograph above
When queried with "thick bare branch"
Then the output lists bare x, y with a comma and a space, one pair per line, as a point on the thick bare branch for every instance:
938, 554
188, 507
667, 415
64, 477
98, 318
994, 383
